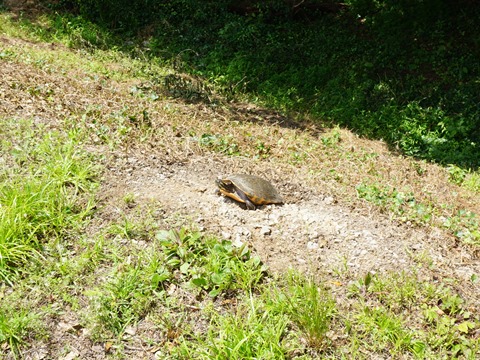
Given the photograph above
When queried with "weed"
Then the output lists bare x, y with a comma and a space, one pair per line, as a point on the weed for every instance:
14, 326
387, 332
250, 333
123, 299
127, 229
390, 302
298, 157
210, 266
262, 150
391, 200
464, 226
129, 199
472, 181
332, 139
456, 174
218, 143
310, 307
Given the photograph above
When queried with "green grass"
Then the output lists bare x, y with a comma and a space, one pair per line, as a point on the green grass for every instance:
251, 332
350, 69
310, 307
439, 322
236, 310
353, 72
15, 326
45, 197
45, 193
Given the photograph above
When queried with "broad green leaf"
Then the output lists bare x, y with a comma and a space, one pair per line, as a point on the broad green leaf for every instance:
184, 268
200, 282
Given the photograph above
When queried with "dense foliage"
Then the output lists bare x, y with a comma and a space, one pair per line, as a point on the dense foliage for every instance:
405, 71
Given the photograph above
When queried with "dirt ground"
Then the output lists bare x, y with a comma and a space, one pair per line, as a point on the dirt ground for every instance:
311, 231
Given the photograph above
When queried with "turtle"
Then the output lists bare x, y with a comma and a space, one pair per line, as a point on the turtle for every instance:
251, 190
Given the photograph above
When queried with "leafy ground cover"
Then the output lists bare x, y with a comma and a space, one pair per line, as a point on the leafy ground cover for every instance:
85, 274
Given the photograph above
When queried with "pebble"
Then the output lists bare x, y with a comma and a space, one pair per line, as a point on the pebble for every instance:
71, 355
245, 232
416, 246
329, 200
130, 330
265, 230
237, 242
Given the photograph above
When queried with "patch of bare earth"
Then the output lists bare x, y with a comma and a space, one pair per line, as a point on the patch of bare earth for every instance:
312, 231
322, 229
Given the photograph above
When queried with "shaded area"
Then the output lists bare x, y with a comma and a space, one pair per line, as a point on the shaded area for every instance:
403, 71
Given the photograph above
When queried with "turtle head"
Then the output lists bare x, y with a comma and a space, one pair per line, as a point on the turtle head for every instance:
224, 185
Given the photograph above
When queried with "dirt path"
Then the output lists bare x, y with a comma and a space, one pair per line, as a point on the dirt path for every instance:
311, 232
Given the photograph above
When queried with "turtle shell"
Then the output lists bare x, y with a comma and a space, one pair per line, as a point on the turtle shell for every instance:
249, 188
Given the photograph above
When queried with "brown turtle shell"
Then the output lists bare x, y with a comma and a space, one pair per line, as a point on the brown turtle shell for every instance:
256, 189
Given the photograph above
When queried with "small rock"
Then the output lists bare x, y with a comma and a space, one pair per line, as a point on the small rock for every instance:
69, 327
171, 289
226, 235
159, 355
237, 242
322, 243
40, 354
245, 232
416, 247
72, 355
329, 200
265, 230
98, 348
130, 330
311, 245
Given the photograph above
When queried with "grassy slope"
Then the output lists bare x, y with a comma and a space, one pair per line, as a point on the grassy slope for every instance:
386, 75
74, 107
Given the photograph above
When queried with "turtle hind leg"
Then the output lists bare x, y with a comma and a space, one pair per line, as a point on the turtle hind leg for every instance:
250, 205
245, 198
